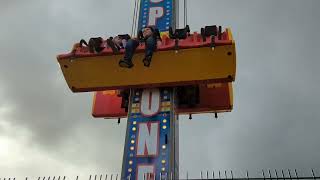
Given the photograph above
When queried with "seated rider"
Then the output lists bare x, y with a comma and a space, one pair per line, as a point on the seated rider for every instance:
150, 36
97, 44
118, 42
94, 44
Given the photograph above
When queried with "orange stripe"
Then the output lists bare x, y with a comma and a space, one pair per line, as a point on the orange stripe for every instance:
94, 102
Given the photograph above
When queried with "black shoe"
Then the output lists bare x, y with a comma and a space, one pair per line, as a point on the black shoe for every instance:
147, 61
112, 45
125, 63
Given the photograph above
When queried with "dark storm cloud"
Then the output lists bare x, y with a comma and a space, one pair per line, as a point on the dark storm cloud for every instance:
32, 84
276, 113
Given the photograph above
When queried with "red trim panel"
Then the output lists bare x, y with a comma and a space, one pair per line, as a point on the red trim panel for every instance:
211, 99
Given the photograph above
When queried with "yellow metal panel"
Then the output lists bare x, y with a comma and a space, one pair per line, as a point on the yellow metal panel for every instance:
167, 103
230, 37
109, 92
167, 67
135, 105
135, 110
231, 94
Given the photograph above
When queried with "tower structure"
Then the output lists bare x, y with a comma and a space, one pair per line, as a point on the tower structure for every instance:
151, 145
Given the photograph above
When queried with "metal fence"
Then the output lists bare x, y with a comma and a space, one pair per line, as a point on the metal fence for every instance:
210, 175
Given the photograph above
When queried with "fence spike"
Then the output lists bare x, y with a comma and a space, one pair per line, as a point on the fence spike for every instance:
264, 177
313, 174
231, 174
283, 174
296, 173
276, 172
95, 177
289, 174
269, 174
106, 177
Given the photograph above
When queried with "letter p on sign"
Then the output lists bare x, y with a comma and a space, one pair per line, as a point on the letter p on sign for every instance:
154, 14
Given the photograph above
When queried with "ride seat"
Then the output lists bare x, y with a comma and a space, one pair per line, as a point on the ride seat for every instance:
208, 31
179, 33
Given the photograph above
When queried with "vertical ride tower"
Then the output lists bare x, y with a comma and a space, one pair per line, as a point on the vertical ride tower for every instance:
151, 145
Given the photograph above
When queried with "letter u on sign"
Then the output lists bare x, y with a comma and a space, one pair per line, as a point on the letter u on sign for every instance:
150, 102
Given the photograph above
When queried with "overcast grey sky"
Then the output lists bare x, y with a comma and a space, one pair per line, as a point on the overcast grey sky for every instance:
45, 129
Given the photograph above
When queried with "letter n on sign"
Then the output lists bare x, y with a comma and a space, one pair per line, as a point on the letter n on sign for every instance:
148, 139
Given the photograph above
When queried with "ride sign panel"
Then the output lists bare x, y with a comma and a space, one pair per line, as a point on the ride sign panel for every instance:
147, 147
157, 13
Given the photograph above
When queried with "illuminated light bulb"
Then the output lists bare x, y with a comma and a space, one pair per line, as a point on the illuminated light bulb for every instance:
130, 162
164, 121
134, 122
164, 146
129, 170
163, 169
132, 141
132, 148
164, 127
163, 161
134, 129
